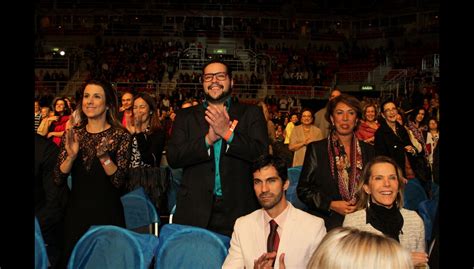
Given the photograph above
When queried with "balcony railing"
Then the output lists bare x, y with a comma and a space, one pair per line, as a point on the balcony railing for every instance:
245, 91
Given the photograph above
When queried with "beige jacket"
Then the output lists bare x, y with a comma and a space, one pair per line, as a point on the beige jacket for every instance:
412, 236
301, 236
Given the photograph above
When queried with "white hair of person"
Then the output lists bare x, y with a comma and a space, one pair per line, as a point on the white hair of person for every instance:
350, 248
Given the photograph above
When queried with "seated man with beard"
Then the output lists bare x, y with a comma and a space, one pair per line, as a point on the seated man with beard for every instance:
278, 234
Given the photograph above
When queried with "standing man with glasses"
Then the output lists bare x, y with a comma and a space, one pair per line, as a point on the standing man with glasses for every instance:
215, 143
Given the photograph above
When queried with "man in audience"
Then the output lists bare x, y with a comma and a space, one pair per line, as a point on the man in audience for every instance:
125, 111
319, 117
215, 143
298, 233
37, 115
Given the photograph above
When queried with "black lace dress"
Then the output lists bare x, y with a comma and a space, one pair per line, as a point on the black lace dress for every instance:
95, 197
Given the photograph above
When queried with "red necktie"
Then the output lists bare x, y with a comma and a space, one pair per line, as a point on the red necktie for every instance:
273, 238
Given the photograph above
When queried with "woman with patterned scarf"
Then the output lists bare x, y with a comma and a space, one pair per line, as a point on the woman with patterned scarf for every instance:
332, 166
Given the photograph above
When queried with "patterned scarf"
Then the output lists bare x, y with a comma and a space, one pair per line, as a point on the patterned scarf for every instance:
418, 134
348, 172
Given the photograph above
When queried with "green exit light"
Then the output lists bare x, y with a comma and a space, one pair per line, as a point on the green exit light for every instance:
366, 88
219, 51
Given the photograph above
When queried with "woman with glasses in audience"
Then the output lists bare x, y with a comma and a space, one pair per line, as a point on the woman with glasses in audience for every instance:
332, 166
380, 208
393, 140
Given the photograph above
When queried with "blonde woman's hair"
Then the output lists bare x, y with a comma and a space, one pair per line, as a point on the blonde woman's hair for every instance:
350, 248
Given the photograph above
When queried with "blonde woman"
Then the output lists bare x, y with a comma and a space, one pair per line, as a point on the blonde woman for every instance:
380, 208
368, 125
350, 248
302, 135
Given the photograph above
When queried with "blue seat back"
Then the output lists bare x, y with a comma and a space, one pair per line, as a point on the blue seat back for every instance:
291, 195
41, 257
138, 209
414, 194
111, 246
183, 246
427, 210
175, 180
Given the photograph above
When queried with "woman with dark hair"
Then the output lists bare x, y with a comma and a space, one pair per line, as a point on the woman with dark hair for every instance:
58, 123
393, 140
332, 166
380, 208
96, 153
417, 125
432, 138
148, 142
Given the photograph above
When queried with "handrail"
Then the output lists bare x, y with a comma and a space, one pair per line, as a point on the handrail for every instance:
242, 90
56, 63
236, 65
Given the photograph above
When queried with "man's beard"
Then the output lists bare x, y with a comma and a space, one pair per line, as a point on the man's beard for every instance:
221, 98
276, 199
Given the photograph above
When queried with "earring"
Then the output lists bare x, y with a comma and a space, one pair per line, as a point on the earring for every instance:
368, 201
151, 113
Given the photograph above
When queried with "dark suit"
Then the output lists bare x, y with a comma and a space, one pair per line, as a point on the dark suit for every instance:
187, 149
50, 199
317, 188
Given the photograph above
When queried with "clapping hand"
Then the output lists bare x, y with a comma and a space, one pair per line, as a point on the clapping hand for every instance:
71, 144
212, 136
267, 260
218, 119
103, 147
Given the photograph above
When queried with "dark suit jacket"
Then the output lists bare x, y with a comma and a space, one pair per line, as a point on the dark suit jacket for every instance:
317, 188
389, 144
187, 150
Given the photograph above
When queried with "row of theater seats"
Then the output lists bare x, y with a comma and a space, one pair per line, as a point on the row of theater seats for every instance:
178, 246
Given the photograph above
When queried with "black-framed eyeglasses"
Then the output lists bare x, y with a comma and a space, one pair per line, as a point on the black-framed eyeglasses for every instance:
394, 110
219, 76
